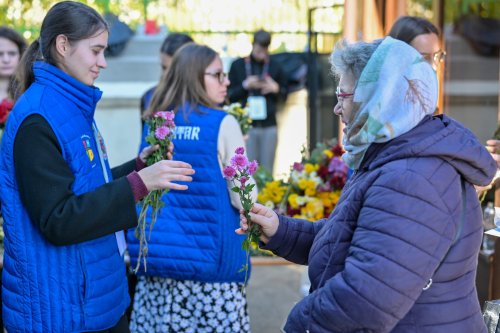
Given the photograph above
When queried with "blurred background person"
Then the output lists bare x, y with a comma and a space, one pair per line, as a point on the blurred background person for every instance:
171, 44
422, 35
259, 82
12, 46
193, 281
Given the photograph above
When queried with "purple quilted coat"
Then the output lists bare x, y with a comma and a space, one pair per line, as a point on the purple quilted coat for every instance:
386, 260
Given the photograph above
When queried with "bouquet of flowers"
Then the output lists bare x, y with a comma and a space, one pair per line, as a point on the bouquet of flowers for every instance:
239, 172
314, 186
6, 106
161, 130
241, 115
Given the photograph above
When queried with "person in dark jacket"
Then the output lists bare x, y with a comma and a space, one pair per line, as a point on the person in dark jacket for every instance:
172, 43
259, 82
64, 208
399, 251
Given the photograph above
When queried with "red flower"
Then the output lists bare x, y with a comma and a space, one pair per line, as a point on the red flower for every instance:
292, 211
337, 150
323, 172
5, 107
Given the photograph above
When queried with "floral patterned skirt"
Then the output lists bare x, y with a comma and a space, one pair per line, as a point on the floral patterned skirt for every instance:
175, 306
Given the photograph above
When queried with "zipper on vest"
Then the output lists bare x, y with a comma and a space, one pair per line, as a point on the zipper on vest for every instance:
83, 268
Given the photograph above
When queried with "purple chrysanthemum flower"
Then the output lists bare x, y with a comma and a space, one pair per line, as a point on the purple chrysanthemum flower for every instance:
229, 172
240, 150
298, 166
252, 167
337, 166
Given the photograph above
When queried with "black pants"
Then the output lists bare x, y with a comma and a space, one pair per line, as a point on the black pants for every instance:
120, 327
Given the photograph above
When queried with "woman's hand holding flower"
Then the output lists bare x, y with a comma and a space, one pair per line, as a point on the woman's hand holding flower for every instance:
147, 151
162, 174
266, 219
159, 175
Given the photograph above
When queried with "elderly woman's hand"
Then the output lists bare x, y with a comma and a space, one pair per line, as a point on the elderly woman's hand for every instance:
266, 218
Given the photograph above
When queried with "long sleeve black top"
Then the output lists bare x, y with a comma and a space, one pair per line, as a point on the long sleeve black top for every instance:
45, 179
236, 92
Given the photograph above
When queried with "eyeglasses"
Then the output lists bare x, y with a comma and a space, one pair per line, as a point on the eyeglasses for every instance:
434, 58
221, 76
341, 95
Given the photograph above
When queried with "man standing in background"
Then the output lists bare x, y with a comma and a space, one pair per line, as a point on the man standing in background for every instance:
259, 82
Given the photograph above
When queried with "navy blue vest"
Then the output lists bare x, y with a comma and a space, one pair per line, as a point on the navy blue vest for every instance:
49, 288
194, 238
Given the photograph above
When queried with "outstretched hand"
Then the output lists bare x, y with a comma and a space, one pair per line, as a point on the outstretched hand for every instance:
264, 217
162, 174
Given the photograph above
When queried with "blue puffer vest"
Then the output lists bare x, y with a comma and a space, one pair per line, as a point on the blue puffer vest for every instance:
49, 288
194, 238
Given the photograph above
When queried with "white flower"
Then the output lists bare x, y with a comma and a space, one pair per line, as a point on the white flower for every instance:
269, 204
230, 307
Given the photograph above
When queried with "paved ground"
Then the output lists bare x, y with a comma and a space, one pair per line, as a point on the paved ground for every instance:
271, 293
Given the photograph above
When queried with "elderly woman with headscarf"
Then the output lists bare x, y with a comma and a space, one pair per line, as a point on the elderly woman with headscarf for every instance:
399, 252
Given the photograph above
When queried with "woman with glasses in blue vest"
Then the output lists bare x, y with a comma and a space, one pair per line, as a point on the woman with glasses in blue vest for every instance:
64, 208
193, 281
422, 35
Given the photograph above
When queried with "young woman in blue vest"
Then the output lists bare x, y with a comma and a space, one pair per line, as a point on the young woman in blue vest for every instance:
64, 208
193, 279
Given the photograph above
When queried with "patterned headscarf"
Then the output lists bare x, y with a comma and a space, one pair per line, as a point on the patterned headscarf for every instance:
396, 90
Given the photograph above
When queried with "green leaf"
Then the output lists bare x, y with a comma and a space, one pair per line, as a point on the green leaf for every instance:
236, 189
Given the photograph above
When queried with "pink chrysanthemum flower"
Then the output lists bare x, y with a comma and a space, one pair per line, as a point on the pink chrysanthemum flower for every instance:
167, 115
162, 132
239, 161
240, 150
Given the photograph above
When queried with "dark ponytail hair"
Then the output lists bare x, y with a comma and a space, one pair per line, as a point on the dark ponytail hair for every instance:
74, 20
406, 28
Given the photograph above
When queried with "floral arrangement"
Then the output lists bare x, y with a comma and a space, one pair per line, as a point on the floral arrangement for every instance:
314, 186
239, 172
161, 130
241, 115
6, 106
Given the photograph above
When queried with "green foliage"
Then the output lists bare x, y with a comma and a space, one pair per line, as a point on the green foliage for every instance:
262, 176
232, 21
152, 203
